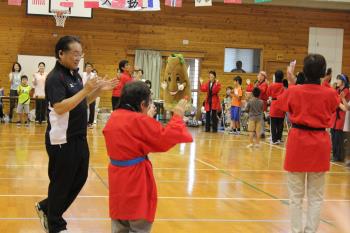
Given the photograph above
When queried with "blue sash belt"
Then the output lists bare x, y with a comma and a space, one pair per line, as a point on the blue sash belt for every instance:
128, 163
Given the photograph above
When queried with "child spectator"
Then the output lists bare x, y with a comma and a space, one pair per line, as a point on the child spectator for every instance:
255, 109
236, 96
23, 101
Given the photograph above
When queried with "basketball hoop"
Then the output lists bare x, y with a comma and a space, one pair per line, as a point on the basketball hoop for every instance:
60, 17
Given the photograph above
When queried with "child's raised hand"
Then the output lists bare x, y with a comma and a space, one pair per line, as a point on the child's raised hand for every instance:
290, 75
152, 111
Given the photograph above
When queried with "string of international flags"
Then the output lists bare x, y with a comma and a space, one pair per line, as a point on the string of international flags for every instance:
129, 5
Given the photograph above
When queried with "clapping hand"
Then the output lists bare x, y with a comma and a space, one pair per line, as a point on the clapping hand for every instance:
105, 84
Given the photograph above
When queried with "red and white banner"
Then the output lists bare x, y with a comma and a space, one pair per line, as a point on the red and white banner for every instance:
233, 1
15, 2
173, 3
131, 5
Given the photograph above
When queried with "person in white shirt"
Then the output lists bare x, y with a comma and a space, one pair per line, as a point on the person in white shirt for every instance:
39, 79
345, 106
87, 75
15, 80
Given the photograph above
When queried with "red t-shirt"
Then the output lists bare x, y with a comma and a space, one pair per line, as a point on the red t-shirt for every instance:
124, 79
128, 135
273, 91
310, 105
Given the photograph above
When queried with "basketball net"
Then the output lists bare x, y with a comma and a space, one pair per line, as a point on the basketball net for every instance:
60, 17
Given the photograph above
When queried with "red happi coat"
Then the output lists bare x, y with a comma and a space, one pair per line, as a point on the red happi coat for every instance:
214, 98
311, 105
124, 79
128, 135
273, 91
263, 93
338, 118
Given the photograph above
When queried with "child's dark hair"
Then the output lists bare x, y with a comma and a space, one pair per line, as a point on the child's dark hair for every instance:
300, 78
229, 88
213, 73
285, 83
149, 83
256, 92
238, 79
345, 79
314, 68
19, 66
279, 76
122, 65
24, 77
329, 71
133, 94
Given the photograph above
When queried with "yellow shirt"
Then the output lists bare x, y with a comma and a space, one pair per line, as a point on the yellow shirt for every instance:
23, 94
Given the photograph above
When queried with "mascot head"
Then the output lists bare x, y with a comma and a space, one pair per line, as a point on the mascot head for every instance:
175, 83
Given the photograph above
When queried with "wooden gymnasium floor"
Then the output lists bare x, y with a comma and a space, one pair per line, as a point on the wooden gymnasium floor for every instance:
214, 185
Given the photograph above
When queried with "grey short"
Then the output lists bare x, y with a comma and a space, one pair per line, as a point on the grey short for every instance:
137, 226
23, 108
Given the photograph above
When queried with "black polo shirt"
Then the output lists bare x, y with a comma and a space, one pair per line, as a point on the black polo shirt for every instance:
62, 83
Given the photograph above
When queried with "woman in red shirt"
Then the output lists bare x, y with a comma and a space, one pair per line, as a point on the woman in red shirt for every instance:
212, 101
131, 134
338, 120
310, 107
276, 116
124, 78
262, 85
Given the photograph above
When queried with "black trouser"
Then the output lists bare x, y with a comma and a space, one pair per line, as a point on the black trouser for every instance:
68, 171
277, 128
92, 113
115, 102
211, 118
40, 110
13, 102
347, 146
1, 110
338, 144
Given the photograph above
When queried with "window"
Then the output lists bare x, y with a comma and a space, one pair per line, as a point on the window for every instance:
242, 60
193, 74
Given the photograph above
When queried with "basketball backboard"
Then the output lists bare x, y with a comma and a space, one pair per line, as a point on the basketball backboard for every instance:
45, 7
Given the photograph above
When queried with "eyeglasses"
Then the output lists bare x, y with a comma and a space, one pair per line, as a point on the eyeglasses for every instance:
76, 54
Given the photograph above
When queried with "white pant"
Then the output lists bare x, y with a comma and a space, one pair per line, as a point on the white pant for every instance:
134, 226
315, 189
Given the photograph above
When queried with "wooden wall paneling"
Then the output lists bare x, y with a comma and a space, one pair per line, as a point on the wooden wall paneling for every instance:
107, 37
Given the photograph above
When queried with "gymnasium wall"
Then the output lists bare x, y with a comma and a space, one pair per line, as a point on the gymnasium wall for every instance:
281, 32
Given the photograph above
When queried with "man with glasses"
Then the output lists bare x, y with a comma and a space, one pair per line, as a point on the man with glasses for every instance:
66, 142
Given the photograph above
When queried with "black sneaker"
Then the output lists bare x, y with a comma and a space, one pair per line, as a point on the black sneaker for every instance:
42, 216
